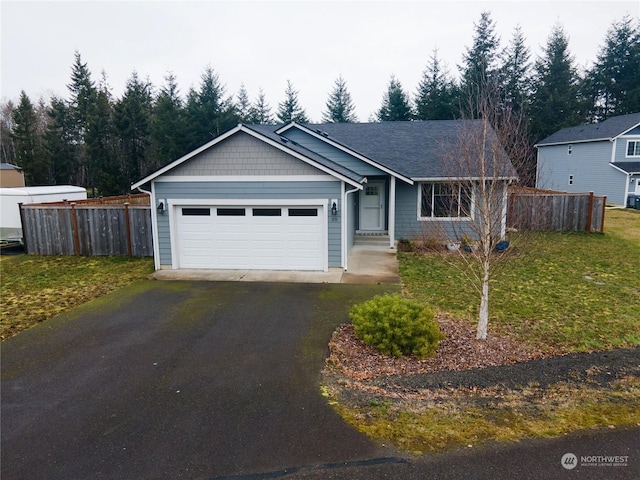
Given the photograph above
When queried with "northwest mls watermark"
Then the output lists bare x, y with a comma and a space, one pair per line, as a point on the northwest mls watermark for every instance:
570, 461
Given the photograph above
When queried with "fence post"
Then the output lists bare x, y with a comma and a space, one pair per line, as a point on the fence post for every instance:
604, 209
590, 212
74, 222
127, 223
510, 221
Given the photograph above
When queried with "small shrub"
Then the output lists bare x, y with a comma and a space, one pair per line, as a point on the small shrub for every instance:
406, 245
396, 326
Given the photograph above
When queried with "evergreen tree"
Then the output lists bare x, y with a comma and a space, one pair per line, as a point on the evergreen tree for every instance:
613, 83
480, 61
132, 120
395, 104
209, 113
514, 75
340, 108
28, 143
260, 112
289, 110
555, 103
168, 124
105, 170
59, 141
83, 92
243, 106
436, 98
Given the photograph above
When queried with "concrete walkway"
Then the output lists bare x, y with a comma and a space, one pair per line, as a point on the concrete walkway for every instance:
367, 264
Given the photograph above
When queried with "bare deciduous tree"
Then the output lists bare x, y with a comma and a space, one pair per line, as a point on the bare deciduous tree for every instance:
481, 164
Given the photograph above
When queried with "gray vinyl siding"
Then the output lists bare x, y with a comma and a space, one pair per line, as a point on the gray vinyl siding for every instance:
216, 191
589, 166
243, 154
621, 147
332, 153
409, 227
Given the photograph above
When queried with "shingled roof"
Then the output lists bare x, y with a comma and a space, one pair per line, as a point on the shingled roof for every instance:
412, 149
607, 130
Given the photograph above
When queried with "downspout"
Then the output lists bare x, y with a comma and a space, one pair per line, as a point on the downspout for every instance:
154, 226
345, 210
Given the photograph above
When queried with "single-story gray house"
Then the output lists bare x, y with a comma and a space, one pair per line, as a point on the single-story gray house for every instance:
293, 197
603, 158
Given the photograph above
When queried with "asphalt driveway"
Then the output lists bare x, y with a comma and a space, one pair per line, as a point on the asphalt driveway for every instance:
214, 380
179, 380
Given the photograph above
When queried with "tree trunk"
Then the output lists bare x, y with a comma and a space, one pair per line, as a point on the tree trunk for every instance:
483, 320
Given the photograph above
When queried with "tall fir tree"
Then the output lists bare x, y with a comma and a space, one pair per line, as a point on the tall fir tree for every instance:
290, 110
555, 100
340, 108
83, 92
105, 175
209, 114
59, 141
395, 104
260, 112
168, 124
28, 142
132, 120
479, 67
514, 74
613, 83
436, 98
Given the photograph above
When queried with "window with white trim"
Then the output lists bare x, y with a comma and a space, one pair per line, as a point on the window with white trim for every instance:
633, 148
444, 200
570, 179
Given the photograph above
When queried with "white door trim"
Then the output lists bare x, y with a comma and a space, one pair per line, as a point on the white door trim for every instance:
381, 206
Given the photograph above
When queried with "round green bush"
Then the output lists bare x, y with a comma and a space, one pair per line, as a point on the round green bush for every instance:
396, 326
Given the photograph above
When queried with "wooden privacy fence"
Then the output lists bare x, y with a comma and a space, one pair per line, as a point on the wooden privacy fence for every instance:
544, 210
84, 229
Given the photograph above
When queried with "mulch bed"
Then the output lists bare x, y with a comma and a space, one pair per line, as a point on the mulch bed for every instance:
463, 361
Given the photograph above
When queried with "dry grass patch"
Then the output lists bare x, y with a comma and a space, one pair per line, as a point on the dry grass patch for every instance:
36, 288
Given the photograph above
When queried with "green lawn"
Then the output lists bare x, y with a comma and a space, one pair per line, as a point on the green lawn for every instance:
35, 288
572, 291
559, 291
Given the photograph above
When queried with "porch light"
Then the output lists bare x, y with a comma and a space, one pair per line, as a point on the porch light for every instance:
160, 206
334, 207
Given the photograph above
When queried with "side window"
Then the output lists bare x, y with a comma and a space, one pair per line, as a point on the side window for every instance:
570, 179
633, 148
569, 149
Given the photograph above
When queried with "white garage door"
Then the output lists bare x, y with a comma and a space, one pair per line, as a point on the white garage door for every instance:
251, 237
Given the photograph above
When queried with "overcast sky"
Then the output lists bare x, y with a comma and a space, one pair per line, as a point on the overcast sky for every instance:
264, 43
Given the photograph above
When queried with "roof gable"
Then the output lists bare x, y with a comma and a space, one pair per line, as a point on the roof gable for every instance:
610, 129
308, 157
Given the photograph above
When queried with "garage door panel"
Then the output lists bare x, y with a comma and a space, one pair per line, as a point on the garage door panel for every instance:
265, 238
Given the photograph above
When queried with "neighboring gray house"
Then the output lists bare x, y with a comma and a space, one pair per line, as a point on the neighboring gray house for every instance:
603, 158
293, 197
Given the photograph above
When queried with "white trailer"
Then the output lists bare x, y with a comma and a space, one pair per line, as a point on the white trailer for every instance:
10, 225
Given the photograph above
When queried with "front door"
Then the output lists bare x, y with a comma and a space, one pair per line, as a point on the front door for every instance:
372, 207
